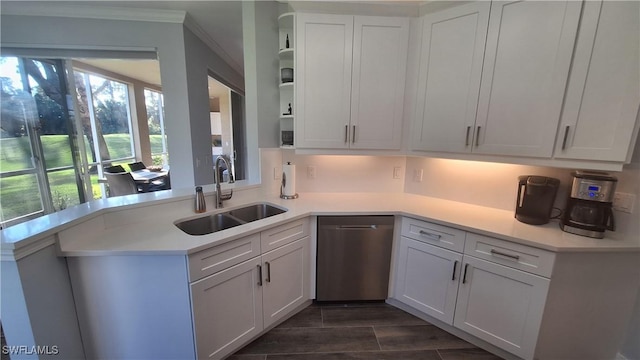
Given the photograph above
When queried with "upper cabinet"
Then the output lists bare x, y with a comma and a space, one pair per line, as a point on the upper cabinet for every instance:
526, 64
493, 75
603, 95
449, 77
350, 81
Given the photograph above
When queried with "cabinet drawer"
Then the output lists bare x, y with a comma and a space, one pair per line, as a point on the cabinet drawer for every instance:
526, 258
210, 261
438, 235
284, 234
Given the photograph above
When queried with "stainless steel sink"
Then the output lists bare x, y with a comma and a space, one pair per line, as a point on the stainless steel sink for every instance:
255, 212
208, 224
217, 222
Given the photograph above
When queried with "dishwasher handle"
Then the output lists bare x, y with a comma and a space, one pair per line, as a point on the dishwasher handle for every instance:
346, 227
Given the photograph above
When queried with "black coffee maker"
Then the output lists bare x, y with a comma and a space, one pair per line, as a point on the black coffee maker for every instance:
589, 207
536, 195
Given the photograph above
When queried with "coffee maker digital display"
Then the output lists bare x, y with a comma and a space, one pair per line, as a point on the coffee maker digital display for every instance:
589, 207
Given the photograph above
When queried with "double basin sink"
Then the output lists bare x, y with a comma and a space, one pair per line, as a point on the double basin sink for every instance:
221, 221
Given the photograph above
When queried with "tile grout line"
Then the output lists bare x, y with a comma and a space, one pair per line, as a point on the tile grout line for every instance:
376, 335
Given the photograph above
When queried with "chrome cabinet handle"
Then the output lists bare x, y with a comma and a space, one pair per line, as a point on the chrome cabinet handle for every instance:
514, 257
268, 271
455, 265
464, 277
353, 136
346, 134
466, 139
478, 136
259, 275
426, 233
566, 134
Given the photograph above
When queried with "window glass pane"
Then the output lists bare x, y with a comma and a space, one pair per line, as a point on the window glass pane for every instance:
46, 89
64, 189
20, 196
17, 107
111, 107
155, 120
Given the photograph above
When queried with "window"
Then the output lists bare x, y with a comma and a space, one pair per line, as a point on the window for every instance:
155, 120
38, 172
54, 142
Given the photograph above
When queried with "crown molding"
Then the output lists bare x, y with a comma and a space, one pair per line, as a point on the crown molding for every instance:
92, 12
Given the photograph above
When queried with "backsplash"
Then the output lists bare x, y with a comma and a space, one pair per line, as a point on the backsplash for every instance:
480, 183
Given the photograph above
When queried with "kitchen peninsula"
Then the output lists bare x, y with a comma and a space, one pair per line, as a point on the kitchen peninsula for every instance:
110, 238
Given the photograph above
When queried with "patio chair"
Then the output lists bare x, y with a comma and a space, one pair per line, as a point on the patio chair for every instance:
120, 182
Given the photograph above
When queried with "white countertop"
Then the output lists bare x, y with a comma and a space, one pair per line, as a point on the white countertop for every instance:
123, 226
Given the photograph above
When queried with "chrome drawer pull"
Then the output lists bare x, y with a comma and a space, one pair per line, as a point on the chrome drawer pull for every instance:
564, 140
425, 233
455, 265
464, 277
466, 141
268, 271
514, 257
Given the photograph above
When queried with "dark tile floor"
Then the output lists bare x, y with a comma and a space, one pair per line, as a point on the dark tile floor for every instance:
358, 332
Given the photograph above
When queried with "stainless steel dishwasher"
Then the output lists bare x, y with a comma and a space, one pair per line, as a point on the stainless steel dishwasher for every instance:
354, 256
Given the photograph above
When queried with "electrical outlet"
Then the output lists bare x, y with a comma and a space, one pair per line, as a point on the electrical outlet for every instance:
624, 202
311, 172
276, 173
397, 172
417, 175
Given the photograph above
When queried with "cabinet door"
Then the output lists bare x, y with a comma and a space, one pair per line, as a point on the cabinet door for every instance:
603, 95
379, 70
428, 278
526, 65
286, 279
501, 305
453, 43
323, 80
227, 309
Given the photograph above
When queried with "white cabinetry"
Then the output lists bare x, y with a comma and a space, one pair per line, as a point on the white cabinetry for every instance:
350, 81
286, 281
603, 95
233, 305
501, 305
227, 309
427, 275
525, 65
496, 291
449, 79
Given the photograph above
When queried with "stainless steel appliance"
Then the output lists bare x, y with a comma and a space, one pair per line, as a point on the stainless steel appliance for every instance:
354, 257
536, 195
589, 207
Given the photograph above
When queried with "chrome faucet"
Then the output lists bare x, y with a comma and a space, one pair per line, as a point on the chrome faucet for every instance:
219, 195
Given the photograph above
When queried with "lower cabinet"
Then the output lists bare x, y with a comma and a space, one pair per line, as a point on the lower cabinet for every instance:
428, 278
286, 280
486, 295
227, 309
234, 305
501, 305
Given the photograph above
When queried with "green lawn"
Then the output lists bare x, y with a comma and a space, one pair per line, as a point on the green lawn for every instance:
19, 195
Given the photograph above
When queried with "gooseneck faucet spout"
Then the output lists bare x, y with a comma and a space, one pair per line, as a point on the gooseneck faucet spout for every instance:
219, 195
